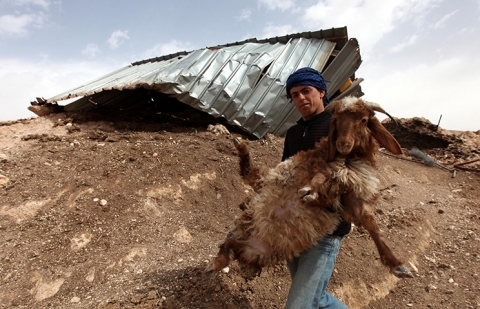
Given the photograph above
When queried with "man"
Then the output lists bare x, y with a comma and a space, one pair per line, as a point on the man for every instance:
312, 270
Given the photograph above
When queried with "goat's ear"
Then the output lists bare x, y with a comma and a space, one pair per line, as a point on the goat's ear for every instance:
383, 137
332, 142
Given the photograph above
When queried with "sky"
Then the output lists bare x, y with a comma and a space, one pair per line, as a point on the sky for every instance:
421, 58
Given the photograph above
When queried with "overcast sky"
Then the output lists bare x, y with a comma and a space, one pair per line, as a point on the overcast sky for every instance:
420, 57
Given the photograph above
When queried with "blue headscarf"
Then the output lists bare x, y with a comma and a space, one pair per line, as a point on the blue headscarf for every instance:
310, 77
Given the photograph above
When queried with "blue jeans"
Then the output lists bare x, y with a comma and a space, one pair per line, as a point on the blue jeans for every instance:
310, 274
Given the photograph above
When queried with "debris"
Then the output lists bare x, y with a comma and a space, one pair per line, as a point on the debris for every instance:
428, 160
218, 129
414, 268
446, 147
44, 110
462, 167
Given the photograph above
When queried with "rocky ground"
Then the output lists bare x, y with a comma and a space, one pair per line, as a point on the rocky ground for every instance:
125, 211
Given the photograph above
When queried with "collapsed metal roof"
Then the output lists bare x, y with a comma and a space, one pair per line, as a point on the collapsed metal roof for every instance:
242, 82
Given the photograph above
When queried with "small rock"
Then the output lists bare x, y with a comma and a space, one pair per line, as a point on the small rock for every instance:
180, 260
3, 180
136, 299
226, 270
430, 288
429, 259
103, 202
75, 299
451, 280
91, 275
96, 199
8, 276
152, 295
218, 129
183, 236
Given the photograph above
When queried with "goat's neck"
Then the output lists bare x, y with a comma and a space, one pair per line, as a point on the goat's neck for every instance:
365, 157
365, 150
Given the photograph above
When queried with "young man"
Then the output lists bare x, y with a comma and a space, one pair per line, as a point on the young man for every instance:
311, 271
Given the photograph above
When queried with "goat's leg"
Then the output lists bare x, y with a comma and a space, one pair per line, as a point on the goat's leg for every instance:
222, 259
248, 171
309, 193
229, 250
357, 211
234, 248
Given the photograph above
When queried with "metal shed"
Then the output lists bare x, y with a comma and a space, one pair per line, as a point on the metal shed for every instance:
242, 82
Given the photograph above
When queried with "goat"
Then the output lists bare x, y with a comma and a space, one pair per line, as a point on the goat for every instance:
303, 198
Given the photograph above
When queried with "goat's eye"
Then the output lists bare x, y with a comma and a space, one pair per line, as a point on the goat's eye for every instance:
364, 120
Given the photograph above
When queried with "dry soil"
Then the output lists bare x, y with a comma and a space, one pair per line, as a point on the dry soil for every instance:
125, 211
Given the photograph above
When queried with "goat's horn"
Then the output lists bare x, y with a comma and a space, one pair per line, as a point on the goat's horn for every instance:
376, 107
330, 106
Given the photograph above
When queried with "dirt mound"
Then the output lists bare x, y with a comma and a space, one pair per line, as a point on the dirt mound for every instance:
125, 211
453, 149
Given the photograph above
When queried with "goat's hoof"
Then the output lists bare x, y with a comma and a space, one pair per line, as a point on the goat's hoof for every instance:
310, 198
236, 141
304, 191
402, 272
209, 268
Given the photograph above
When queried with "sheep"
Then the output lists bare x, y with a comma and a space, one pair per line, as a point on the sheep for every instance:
303, 198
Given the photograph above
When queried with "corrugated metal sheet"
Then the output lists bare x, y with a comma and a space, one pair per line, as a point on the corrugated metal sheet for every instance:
243, 82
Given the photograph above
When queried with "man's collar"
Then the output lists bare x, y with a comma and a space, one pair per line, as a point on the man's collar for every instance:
315, 119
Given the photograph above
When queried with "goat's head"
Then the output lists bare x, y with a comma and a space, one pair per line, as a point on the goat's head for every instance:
354, 125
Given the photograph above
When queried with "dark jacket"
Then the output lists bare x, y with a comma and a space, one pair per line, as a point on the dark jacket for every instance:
303, 136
